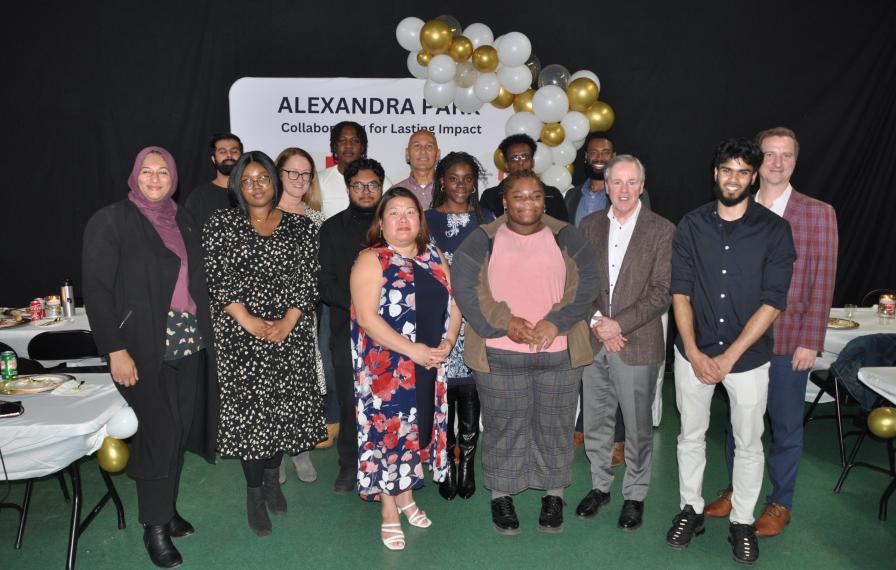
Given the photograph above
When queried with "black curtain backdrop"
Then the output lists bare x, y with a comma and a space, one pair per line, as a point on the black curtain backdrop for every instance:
89, 84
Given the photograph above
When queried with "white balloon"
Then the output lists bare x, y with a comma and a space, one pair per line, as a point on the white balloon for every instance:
515, 49
408, 33
523, 122
575, 125
558, 177
466, 100
515, 79
479, 35
442, 68
498, 41
438, 94
415, 68
585, 73
543, 159
487, 87
122, 424
564, 153
578, 143
551, 104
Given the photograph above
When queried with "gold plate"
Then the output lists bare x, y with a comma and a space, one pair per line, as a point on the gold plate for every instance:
841, 324
34, 383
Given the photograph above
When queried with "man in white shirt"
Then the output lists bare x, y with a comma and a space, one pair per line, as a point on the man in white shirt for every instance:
634, 252
421, 155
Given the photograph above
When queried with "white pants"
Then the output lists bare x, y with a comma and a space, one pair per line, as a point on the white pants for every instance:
747, 393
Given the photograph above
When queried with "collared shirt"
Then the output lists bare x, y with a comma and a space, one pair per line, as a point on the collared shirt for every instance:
590, 202
617, 245
780, 204
729, 270
423, 193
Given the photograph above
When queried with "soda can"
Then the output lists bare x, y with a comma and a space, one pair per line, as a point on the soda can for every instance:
37, 310
9, 366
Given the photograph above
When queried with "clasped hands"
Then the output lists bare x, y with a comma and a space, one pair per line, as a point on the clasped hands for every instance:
608, 332
710, 369
431, 357
273, 330
539, 337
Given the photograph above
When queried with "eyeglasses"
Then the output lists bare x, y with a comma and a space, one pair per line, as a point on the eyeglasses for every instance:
262, 180
519, 157
370, 186
296, 175
149, 173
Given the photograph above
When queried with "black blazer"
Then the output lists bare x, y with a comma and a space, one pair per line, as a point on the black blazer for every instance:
129, 277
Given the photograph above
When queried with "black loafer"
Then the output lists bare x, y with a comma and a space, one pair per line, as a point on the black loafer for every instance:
345, 481
178, 527
592, 503
504, 516
159, 546
685, 526
745, 547
631, 516
551, 518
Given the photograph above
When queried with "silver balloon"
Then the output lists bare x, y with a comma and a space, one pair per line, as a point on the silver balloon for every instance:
554, 74
534, 65
453, 23
465, 75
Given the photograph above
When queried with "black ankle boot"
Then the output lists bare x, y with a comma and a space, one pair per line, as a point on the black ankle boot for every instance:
467, 434
159, 546
259, 521
448, 487
272, 493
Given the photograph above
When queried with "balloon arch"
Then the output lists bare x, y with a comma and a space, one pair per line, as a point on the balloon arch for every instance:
470, 68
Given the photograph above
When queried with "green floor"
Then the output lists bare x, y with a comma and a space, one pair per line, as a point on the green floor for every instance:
323, 530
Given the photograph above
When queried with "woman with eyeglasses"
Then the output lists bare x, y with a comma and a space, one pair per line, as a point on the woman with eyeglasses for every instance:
455, 214
261, 265
147, 302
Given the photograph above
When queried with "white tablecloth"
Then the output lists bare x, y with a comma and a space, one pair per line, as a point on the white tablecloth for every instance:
881, 379
18, 337
54, 431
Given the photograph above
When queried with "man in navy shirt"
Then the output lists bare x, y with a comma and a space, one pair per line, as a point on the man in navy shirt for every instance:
732, 261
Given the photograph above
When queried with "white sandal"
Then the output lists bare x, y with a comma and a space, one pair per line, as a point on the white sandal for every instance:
418, 518
396, 540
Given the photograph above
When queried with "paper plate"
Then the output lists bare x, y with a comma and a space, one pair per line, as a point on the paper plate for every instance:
34, 383
839, 324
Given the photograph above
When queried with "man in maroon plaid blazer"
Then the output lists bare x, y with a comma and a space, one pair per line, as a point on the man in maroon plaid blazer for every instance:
799, 331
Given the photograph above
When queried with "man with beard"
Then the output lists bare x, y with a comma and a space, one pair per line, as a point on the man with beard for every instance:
421, 155
341, 237
799, 331
205, 199
348, 142
732, 261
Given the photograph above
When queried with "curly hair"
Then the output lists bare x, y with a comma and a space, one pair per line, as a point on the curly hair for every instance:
439, 196
336, 131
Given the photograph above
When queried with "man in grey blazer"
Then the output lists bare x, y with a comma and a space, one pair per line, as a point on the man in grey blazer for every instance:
634, 255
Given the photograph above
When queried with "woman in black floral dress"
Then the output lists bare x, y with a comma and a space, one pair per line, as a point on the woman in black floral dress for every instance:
261, 265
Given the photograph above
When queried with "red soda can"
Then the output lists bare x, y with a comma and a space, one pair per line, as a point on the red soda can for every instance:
37, 310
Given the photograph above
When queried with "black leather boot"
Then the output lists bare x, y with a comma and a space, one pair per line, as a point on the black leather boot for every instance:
448, 487
467, 435
273, 495
159, 546
259, 521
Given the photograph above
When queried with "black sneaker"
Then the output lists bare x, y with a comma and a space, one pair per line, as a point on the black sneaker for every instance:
504, 516
745, 547
686, 524
551, 517
592, 503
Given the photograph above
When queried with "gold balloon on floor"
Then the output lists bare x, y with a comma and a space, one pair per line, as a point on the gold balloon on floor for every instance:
435, 36
523, 101
552, 134
485, 59
113, 455
582, 93
424, 57
600, 116
882, 422
504, 99
499, 160
461, 49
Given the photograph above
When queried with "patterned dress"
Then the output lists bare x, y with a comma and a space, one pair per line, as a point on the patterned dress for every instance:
270, 401
448, 231
396, 402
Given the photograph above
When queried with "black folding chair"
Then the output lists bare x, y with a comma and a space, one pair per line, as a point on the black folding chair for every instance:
828, 383
25, 365
65, 346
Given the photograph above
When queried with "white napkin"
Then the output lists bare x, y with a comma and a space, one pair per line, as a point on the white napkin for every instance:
72, 388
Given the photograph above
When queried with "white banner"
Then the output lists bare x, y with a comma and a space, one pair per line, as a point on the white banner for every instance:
270, 114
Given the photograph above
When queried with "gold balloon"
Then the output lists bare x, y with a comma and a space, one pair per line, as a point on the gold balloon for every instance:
113, 455
882, 422
499, 160
582, 93
424, 57
485, 59
552, 134
504, 99
523, 101
600, 116
571, 168
435, 36
461, 49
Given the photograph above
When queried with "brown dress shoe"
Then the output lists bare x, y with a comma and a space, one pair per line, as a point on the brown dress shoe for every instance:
772, 520
332, 432
578, 439
721, 507
618, 454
